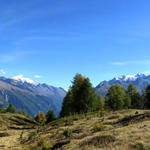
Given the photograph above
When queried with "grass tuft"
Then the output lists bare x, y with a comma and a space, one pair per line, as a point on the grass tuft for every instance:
99, 127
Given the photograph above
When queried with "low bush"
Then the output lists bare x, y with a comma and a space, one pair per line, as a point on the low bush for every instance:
60, 144
44, 144
2, 110
31, 136
99, 127
138, 146
102, 113
67, 133
136, 113
41, 145
69, 123
21, 134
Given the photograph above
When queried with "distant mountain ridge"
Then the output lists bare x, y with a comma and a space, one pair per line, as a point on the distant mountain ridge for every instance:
27, 94
140, 80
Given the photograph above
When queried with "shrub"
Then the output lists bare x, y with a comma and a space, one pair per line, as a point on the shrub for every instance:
99, 127
44, 144
60, 144
31, 136
21, 135
19, 111
102, 120
2, 110
78, 129
67, 132
38, 130
30, 117
25, 113
102, 113
136, 113
138, 146
69, 122
40, 118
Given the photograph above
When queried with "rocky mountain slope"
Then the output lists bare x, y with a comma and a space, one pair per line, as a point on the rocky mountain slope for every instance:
27, 94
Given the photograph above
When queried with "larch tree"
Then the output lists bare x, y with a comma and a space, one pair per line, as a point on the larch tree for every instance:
116, 97
101, 102
136, 100
80, 98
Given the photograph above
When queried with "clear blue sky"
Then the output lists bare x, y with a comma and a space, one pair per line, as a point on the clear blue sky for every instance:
55, 39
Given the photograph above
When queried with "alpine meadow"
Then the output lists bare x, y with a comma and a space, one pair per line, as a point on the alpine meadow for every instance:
74, 75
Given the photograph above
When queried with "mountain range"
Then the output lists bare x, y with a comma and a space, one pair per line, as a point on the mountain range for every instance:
27, 94
140, 80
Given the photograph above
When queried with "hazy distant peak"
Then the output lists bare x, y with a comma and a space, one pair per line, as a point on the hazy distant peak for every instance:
21, 78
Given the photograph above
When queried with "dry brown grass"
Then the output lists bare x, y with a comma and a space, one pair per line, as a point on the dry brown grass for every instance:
126, 130
12, 126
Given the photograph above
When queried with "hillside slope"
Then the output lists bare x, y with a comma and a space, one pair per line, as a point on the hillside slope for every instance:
12, 127
33, 97
120, 130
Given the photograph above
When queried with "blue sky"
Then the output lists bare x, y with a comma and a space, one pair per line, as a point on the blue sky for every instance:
52, 40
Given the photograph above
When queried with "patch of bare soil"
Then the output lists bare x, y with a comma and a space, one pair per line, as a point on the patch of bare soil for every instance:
134, 119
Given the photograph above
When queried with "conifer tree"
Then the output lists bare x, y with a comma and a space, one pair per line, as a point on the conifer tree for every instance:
11, 108
101, 102
30, 117
25, 113
84, 97
41, 118
80, 98
116, 97
67, 104
136, 100
127, 101
147, 97
144, 100
50, 116
132, 89
19, 111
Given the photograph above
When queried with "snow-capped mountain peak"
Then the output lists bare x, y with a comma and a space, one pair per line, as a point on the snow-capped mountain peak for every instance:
22, 79
131, 77
140, 80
